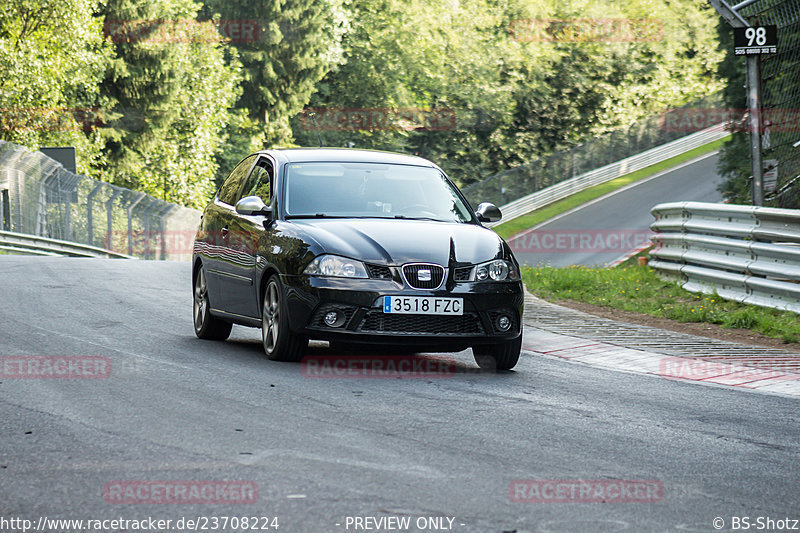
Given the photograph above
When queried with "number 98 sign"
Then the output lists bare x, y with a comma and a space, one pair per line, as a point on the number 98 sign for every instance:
755, 40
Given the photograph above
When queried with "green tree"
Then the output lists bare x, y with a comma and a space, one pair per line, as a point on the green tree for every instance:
425, 77
172, 84
516, 94
296, 44
52, 58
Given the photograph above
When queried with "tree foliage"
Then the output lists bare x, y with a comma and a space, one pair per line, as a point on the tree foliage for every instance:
52, 58
521, 79
294, 47
172, 86
476, 85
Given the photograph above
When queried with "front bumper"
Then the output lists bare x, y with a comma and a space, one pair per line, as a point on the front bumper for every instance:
359, 300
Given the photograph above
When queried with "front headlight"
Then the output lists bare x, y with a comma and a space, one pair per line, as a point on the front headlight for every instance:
497, 270
336, 267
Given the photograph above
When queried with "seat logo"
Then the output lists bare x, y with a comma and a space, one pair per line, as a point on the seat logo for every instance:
424, 275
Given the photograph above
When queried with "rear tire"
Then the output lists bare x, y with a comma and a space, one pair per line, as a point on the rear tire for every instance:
280, 343
501, 356
206, 326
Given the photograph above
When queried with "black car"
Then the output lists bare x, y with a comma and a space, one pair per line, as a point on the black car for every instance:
355, 247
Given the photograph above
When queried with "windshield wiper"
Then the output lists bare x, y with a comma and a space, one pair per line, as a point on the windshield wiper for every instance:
317, 215
404, 217
392, 217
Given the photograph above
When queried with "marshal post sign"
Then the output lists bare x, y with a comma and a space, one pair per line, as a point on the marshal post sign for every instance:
755, 40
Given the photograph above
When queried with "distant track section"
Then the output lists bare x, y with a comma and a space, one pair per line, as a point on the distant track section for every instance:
605, 229
609, 172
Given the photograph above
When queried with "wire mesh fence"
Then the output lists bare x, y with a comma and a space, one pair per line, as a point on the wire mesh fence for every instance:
642, 135
39, 197
780, 85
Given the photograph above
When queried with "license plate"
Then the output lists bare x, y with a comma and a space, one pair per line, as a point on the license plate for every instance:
423, 305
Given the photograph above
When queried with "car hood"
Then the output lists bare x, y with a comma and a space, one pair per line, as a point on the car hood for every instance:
396, 242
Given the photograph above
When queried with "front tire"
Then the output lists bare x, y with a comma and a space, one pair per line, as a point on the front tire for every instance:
207, 326
501, 356
280, 343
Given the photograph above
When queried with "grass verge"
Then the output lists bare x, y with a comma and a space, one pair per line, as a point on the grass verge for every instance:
512, 227
639, 290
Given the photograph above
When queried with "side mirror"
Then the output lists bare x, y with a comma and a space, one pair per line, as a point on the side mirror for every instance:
253, 205
488, 212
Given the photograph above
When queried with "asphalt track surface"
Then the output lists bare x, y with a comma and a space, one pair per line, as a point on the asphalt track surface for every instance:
174, 408
606, 229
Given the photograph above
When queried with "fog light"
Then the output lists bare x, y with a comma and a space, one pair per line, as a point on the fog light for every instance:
503, 323
333, 319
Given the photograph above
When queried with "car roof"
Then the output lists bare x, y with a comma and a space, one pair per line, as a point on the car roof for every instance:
350, 155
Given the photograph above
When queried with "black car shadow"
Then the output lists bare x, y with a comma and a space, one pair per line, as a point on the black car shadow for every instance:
365, 361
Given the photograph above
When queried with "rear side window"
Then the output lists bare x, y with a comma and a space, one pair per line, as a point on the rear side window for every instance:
229, 192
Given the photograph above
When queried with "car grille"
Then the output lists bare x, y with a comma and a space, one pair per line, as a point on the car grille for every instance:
379, 322
379, 271
412, 271
462, 273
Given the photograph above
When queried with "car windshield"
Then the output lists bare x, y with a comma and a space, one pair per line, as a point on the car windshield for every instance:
371, 190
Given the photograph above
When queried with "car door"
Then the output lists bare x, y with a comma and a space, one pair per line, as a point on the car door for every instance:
217, 220
244, 236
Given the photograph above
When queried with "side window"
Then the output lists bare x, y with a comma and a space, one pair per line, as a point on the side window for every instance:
260, 181
228, 191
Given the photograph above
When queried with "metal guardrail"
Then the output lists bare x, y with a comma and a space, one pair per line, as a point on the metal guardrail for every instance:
609, 172
34, 245
743, 253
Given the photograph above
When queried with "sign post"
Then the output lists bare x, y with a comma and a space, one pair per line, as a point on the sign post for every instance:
751, 41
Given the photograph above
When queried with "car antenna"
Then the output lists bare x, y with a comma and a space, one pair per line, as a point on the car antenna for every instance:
313, 116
